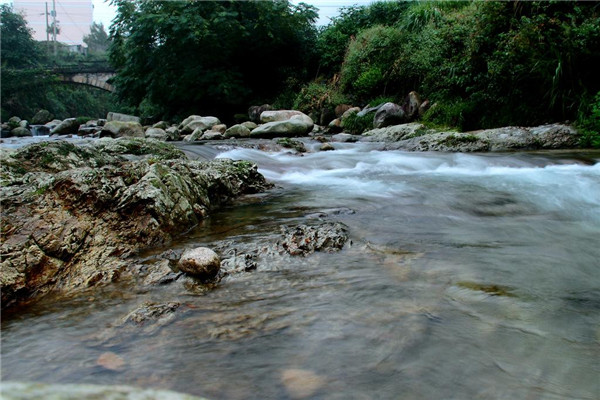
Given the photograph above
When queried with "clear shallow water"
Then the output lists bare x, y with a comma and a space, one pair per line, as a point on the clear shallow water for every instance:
468, 276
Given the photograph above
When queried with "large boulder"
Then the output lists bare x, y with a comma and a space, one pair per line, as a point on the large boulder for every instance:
193, 122
553, 136
295, 126
160, 134
21, 132
211, 135
41, 117
113, 116
237, 131
388, 114
255, 112
69, 126
71, 214
285, 115
201, 262
116, 129
396, 133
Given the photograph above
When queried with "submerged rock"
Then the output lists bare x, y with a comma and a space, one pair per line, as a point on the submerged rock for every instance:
201, 263
304, 239
72, 214
35, 391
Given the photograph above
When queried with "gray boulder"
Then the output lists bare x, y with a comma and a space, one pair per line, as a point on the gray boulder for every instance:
113, 116
238, 131
326, 147
173, 132
286, 115
290, 128
388, 114
193, 122
221, 128
211, 135
41, 117
201, 262
161, 125
69, 126
396, 132
21, 132
117, 129
250, 125
158, 134
344, 138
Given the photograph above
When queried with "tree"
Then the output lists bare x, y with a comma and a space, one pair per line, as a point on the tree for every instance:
184, 57
18, 48
97, 41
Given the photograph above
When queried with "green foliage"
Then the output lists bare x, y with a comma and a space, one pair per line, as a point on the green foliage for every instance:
190, 57
335, 38
589, 123
17, 47
486, 64
369, 64
356, 124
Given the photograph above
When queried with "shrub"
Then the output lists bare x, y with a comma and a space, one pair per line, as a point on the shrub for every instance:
356, 124
589, 123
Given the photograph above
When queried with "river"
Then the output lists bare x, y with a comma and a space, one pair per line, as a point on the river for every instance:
466, 276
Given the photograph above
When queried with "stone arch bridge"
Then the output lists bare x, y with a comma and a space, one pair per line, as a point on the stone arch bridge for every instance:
91, 74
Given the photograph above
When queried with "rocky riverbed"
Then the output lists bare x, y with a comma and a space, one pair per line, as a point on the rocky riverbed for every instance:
71, 214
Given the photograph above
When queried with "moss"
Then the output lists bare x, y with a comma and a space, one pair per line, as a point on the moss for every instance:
453, 140
292, 144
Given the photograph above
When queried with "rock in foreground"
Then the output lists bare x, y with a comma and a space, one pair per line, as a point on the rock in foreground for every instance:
71, 214
35, 391
201, 262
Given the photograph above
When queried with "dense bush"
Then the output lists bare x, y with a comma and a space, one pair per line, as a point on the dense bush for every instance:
177, 58
589, 123
486, 64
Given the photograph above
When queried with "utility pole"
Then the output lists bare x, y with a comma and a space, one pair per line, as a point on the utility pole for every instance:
54, 25
47, 31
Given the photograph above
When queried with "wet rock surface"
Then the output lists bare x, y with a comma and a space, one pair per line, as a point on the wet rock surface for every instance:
72, 214
416, 137
35, 391
306, 239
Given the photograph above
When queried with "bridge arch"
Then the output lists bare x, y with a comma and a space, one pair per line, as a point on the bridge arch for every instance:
96, 79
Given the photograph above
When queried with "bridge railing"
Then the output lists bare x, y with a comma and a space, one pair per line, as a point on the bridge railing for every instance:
81, 67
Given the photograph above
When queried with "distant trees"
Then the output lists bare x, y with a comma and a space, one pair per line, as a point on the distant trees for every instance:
184, 57
97, 41
28, 86
18, 48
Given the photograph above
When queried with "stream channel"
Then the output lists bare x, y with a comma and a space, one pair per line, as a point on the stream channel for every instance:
465, 276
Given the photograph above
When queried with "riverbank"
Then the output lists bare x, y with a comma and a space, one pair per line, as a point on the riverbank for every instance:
71, 214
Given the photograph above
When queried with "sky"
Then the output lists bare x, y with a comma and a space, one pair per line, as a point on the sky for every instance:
104, 13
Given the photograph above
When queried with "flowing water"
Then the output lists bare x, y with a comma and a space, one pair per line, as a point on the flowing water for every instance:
467, 276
